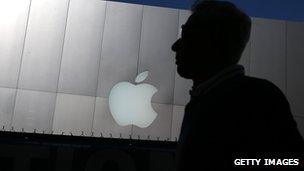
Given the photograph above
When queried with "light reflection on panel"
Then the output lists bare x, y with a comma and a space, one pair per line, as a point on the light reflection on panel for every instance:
182, 86
34, 110
43, 45
268, 51
295, 63
120, 45
177, 120
105, 124
13, 18
82, 47
159, 32
160, 128
73, 114
7, 100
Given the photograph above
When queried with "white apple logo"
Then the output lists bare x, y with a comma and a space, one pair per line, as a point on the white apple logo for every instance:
131, 104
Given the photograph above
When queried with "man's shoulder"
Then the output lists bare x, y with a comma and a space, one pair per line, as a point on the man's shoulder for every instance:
250, 87
257, 89
244, 90
257, 81
259, 84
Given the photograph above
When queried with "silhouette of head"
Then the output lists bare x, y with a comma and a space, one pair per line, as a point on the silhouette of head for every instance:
213, 38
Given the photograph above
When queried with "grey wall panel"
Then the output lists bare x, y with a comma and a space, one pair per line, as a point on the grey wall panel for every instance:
104, 122
177, 120
295, 63
120, 45
82, 47
13, 19
300, 124
73, 114
159, 32
182, 19
34, 110
7, 101
43, 45
268, 51
182, 86
181, 90
160, 128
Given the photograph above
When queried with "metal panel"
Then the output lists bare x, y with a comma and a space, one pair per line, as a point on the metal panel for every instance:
183, 17
182, 86
177, 119
158, 34
7, 100
181, 90
300, 124
160, 128
295, 63
13, 18
73, 114
120, 45
43, 45
34, 110
268, 51
105, 124
82, 47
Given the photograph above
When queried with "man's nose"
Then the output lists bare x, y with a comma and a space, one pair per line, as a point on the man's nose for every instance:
176, 45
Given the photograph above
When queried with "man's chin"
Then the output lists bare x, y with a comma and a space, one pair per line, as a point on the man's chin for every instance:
184, 73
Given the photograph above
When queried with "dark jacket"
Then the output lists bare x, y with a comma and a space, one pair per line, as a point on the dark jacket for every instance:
236, 116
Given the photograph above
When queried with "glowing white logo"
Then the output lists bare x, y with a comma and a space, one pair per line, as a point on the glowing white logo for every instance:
131, 104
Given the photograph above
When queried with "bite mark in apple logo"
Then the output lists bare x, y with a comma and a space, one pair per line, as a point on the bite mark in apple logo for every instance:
131, 104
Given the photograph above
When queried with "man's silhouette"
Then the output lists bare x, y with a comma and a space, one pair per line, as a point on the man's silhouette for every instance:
229, 115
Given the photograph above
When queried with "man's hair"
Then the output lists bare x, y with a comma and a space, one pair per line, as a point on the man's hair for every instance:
233, 26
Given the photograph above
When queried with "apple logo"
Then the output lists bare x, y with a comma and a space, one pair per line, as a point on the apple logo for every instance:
131, 104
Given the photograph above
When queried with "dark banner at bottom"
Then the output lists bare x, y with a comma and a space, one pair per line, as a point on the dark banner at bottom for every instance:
33, 152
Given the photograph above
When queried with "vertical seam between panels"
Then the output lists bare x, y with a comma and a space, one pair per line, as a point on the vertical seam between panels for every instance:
100, 58
173, 102
286, 60
139, 49
60, 64
249, 49
253, 29
20, 65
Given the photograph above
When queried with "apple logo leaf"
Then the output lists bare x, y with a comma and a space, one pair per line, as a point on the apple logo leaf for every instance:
142, 76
